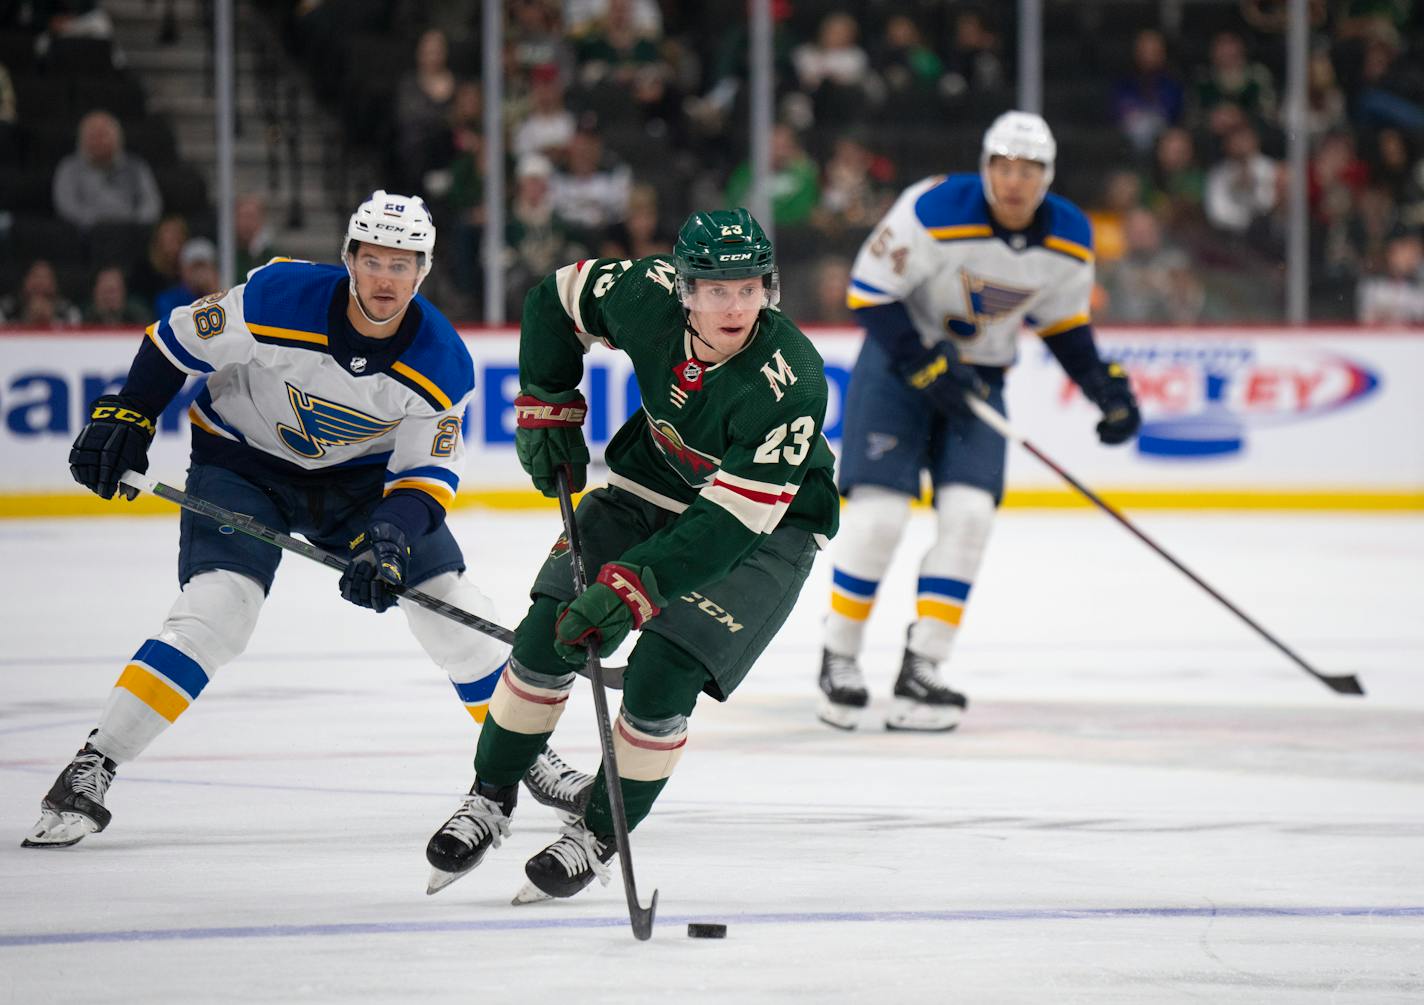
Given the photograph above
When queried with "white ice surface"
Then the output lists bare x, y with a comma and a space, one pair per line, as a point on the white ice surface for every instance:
1145, 801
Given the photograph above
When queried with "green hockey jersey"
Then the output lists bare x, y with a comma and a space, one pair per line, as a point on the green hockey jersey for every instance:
735, 448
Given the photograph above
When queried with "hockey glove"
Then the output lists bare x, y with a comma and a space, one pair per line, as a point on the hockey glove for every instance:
622, 598
115, 440
548, 436
376, 574
940, 373
1112, 392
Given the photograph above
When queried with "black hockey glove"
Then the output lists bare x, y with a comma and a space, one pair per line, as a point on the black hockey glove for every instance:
940, 373
548, 435
1112, 392
376, 574
115, 440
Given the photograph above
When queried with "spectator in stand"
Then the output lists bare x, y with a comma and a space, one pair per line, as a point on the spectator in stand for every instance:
641, 234
729, 73
614, 51
9, 118
1231, 79
537, 240
905, 63
549, 125
795, 190
835, 71
534, 38
1150, 99
1377, 219
100, 183
251, 235
1122, 192
1336, 179
1394, 164
1147, 284
1242, 187
38, 303
197, 277
1397, 296
422, 107
1174, 185
974, 64
832, 280
158, 269
1390, 91
591, 194
1324, 101
583, 16
110, 303
857, 187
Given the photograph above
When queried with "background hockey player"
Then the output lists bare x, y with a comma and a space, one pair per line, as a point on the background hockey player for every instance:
720, 491
332, 409
942, 287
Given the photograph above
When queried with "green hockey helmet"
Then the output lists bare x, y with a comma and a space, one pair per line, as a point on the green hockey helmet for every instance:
724, 244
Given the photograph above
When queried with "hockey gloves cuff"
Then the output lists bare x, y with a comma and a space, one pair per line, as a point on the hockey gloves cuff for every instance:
376, 573
622, 598
1112, 392
548, 436
115, 440
940, 373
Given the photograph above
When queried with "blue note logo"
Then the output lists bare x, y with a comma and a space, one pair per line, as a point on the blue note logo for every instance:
988, 300
322, 424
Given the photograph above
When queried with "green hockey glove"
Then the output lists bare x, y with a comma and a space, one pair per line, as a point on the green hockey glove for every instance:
548, 435
622, 598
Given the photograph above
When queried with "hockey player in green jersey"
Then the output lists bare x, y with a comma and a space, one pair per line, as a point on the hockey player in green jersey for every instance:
719, 494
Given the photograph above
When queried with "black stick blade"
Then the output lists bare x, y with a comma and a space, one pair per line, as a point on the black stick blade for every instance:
1343, 684
643, 920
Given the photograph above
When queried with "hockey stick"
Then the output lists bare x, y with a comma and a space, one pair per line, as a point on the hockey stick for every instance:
641, 917
1340, 684
613, 676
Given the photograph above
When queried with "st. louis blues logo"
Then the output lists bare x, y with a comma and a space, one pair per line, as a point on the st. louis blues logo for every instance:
322, 424
988, 300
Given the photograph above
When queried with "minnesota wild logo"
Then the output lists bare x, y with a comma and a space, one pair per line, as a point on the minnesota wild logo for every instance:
695, 467
322, 424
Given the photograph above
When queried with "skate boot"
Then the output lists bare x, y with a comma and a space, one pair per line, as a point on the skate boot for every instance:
479, 824
843, 693
923, 702
553, 782
568, 865
74, 805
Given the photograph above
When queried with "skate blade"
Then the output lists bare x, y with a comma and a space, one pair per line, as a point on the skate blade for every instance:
912, 717
440, 879
59, 830
530, 894
844, 717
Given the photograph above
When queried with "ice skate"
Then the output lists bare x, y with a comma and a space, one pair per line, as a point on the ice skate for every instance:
843, 693
554, 782
567, 866
923, 702
461, 842
74, 806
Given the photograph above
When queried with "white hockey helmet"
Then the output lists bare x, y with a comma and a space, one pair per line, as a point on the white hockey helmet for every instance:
393, 221
1021, 136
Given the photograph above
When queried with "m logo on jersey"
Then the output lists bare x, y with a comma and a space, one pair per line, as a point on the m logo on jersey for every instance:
322, 424
695, 467
988, 300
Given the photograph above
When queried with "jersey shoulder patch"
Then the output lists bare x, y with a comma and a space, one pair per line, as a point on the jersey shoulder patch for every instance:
953, 209
1068, 231
286, 303
437, 366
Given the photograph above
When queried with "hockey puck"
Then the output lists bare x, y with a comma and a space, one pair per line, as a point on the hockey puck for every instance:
695, 931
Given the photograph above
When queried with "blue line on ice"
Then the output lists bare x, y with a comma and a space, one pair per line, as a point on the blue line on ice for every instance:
671, 921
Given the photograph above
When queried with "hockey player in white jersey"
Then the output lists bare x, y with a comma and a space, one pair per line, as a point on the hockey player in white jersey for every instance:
942, 286
332, 409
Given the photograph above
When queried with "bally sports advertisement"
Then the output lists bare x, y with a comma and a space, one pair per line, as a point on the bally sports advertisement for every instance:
1233, 417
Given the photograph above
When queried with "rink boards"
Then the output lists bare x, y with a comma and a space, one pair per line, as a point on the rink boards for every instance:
1233, 418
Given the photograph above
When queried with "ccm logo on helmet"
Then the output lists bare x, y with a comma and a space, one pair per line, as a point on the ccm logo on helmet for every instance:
733, 258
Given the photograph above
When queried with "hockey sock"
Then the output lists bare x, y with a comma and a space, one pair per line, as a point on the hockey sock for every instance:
965, 516
473, 662
871, 525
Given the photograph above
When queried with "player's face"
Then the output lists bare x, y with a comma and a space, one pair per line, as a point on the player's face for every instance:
385, 279
723, 311
1016, 185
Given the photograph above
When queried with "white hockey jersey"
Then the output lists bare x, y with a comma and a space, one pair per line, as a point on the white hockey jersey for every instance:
961, 277
285, 379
